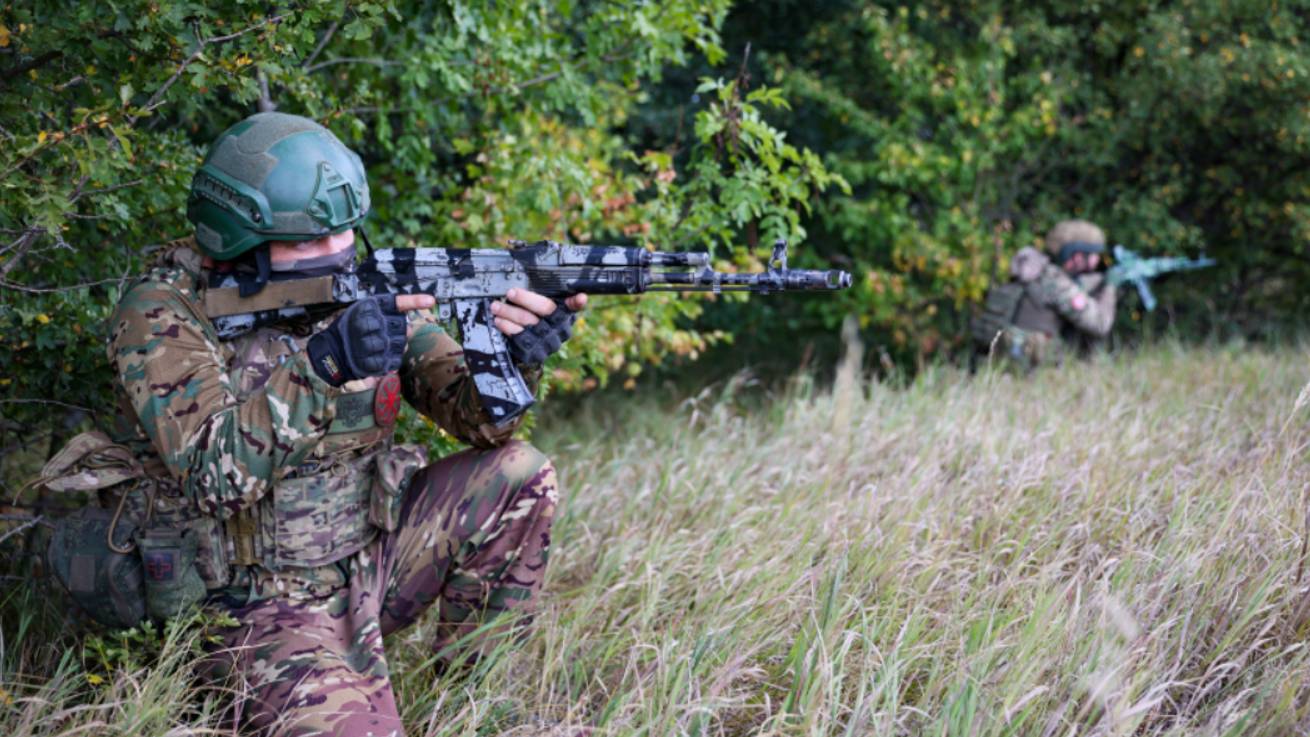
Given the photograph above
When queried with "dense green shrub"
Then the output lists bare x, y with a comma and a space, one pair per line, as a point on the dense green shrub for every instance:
479, 121
963, 130
966, 129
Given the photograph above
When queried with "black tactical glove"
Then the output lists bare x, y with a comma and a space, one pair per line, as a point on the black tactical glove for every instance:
536, 343
368, 339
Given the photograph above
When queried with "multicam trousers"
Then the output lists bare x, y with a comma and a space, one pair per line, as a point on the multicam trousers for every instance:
473, 539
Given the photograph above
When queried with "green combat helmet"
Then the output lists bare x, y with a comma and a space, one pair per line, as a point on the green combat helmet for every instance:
1074, 236
275, 176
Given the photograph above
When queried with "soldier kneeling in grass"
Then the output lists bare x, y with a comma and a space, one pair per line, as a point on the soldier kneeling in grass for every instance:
1052, 299
258, 476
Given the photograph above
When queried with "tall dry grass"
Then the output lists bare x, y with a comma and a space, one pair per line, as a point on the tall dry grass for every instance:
1113, 549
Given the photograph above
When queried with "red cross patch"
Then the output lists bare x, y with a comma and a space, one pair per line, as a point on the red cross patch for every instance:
386, 401
159, 565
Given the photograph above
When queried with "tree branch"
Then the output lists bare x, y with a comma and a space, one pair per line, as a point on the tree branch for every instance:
156, 99
5, 284
322, 43
30, 523
19, 247
54, 402
351, 60
621, 53
106, 190
15, 71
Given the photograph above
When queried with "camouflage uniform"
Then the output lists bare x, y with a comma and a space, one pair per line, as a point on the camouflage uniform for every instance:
314, 529
1045, 307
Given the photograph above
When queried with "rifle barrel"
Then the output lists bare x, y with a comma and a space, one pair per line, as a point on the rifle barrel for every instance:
707, 280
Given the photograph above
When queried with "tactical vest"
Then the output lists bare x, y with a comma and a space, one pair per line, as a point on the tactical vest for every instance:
317, 513
152, 540
1015, 324
998, 311
1034, 317
336, 501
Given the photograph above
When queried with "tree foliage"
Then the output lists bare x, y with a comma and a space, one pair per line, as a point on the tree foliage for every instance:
966, 129
917, 145
478, 121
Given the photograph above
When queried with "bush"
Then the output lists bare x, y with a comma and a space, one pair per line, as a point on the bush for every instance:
966, 130
478, 121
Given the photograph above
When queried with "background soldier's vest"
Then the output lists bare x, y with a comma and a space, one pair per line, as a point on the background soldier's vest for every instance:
1008, 305
1034, 317
998, 311
1015, 323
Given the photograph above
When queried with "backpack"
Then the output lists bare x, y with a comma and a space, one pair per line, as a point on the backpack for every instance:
998, 310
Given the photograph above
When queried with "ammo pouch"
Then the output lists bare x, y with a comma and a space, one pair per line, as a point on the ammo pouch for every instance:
107, 584
168, 560
98, 554
395, 468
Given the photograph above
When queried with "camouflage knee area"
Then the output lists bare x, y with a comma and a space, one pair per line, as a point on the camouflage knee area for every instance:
472, 487
510, 559
475, 538
518, 462
511, 490
310, 667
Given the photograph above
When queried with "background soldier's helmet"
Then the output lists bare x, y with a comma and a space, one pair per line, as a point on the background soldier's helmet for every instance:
1074, 236
275, 176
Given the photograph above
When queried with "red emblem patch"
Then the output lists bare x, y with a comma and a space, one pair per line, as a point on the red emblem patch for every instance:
386, 401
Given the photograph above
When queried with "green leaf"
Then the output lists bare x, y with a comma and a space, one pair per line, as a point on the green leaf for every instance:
121, 136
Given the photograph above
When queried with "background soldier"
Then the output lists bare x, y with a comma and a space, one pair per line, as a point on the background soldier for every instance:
1052, 298
272, 488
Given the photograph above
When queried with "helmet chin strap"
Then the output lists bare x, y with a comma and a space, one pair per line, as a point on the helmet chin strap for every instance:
363, 234
263, 268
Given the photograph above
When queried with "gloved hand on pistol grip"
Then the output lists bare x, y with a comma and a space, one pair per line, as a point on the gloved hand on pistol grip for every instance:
537, 342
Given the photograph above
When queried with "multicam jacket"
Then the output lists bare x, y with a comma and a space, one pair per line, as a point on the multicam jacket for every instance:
279, 474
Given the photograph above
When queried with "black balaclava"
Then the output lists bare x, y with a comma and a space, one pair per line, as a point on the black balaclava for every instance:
342, 261
255, 268
1069, 249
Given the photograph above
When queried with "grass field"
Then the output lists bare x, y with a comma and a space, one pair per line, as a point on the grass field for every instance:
1115, 549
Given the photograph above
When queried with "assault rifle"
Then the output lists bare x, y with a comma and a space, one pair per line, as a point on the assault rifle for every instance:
1129, 268
466, 282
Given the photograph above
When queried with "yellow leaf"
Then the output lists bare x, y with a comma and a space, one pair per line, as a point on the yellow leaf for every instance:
4, 36
43, 318
94, 679
40, 137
